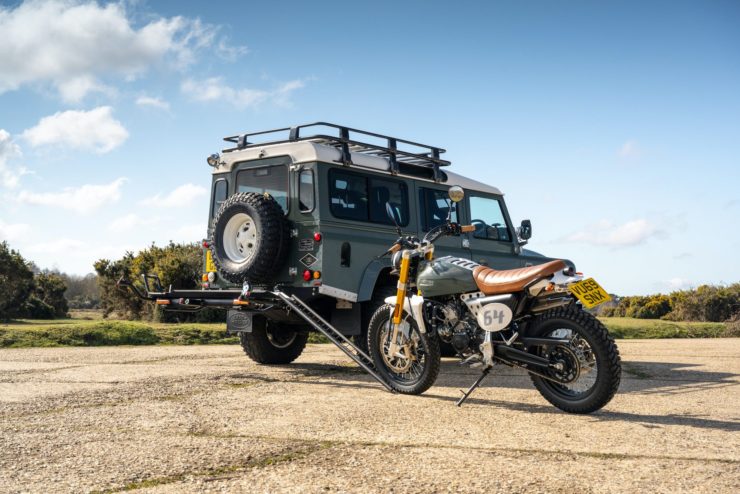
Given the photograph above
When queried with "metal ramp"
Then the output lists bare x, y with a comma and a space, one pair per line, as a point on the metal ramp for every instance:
341, 341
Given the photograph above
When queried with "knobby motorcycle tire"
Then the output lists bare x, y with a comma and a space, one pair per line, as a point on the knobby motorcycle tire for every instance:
429, 341
608, 360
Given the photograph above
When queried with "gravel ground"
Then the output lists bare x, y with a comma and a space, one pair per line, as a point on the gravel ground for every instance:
206, 419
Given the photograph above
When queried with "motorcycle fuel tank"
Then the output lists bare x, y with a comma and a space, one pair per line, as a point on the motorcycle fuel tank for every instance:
447, 276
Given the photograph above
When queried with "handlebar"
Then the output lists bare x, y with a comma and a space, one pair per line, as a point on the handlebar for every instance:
431, 236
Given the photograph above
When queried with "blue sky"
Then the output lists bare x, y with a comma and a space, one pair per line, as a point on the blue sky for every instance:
614, 127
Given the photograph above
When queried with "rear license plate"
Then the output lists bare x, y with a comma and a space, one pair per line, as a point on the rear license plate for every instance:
210, 267
589, 293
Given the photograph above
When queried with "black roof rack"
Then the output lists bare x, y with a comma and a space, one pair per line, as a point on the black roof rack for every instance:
349, 140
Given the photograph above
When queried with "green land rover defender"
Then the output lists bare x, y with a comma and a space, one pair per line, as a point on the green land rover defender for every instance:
298, 220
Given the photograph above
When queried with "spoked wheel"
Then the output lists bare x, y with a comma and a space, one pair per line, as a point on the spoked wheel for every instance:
413, 367
587, 370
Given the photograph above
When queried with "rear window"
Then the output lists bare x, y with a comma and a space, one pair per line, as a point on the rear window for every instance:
220, 191
362, 198
265, 179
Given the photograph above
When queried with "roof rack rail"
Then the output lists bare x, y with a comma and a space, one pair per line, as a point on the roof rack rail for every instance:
344, 140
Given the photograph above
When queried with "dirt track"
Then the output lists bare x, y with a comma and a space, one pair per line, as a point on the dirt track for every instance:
194, 419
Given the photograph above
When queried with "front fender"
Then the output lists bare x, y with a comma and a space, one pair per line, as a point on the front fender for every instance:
412, 306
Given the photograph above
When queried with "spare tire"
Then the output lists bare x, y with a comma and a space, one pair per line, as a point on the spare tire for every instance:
249, 238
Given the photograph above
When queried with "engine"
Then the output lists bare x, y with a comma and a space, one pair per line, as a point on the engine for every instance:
455, 325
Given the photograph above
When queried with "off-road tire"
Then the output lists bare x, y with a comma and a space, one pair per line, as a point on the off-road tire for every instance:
429, 342
367, 311
271, 243
602, 344
259, 347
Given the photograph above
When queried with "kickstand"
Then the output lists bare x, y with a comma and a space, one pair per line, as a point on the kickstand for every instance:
470, 390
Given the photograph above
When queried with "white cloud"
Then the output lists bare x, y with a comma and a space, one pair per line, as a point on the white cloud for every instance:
9, 151
58, 246
214, 90
679, 284
13, 232
630, 150
181, 196
189, 233
230, 53
153, 102
72, 43
130, 221
606, 233
84, 199
95, 130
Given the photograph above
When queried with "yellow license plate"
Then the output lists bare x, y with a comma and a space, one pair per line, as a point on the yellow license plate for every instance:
210, 266
589, 293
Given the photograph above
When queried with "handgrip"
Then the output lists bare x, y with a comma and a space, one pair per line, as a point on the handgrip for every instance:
467, 228
395, 248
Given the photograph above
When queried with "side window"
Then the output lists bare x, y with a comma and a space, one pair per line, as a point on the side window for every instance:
434, 207
306, 191
388, 191
348, 195
358, 197
488, 218
220, 190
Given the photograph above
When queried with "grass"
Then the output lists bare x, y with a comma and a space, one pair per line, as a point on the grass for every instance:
629, 328
89, 330
101, 332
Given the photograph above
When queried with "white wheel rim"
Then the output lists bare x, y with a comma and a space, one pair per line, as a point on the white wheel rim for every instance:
240, 238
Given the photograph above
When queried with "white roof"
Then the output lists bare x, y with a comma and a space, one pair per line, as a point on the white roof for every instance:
311, 151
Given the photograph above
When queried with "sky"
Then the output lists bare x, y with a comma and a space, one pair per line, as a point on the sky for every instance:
613, 126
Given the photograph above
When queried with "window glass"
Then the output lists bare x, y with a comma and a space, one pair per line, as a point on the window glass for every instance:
388, 191
488, 218
362, 198
220, 190
305, 190
270, 179
434, 208
348, 194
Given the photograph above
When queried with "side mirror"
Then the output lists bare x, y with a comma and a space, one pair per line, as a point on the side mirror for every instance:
525, 230
456, 193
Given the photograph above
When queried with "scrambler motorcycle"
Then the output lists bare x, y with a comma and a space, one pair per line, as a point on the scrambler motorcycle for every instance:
531, 318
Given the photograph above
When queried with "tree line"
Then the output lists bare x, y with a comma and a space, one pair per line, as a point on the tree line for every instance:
709, 303
25, 293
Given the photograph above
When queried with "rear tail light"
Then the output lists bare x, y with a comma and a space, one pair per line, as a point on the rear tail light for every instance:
317, 237
307, 275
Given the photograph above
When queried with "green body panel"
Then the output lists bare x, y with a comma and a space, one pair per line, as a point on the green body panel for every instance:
446, 276
365, 241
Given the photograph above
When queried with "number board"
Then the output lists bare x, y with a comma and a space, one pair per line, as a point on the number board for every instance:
494, 316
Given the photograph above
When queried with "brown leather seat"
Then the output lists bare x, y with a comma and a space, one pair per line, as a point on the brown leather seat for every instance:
492, 282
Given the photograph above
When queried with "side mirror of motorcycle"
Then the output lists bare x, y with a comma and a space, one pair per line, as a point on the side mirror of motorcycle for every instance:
525, 232
393, 215
456, 193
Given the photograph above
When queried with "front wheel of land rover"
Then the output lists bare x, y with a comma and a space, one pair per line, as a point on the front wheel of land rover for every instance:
270, 343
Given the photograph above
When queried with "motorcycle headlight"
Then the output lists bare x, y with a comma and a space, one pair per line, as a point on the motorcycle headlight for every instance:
396, 259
